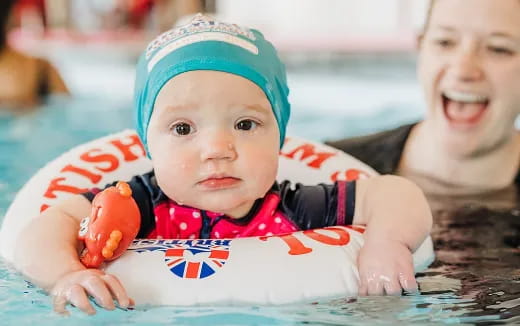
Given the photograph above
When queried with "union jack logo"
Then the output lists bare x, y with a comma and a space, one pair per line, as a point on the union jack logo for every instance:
189, 258
198, 261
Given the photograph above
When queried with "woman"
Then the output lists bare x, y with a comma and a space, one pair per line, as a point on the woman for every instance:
469, 67
25, 80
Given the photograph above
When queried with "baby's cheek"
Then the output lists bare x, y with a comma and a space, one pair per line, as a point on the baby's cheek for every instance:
262, 182
173, 180
257, 187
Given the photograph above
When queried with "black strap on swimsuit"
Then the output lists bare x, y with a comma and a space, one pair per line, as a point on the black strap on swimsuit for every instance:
207, 226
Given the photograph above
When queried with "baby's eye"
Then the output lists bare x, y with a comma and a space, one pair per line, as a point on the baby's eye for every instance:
83, 230
246, 124
84, 222
182, 129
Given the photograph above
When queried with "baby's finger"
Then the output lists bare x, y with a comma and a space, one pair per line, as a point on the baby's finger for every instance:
375, 286
363, 290
97, 288
408, 281
59, 303
392, 287
117, 290
78, 297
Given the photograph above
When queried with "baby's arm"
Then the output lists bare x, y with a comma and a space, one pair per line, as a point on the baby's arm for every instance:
48, 255
398, 219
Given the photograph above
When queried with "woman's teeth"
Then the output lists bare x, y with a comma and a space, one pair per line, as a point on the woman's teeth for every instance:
464, 108
465, 97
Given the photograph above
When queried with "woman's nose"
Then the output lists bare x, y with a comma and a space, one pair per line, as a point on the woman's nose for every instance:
466, 64
218, 145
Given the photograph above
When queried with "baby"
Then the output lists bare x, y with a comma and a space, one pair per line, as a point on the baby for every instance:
211, 109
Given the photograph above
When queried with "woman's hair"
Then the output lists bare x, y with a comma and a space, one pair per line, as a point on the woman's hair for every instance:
428, 15
431, 3
5, 11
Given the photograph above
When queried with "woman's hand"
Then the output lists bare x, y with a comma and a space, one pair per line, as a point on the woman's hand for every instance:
76, 287
385, 267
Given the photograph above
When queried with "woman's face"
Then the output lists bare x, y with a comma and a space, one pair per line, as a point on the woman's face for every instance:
469, 66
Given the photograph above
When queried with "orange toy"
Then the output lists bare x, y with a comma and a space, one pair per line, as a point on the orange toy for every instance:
112, 225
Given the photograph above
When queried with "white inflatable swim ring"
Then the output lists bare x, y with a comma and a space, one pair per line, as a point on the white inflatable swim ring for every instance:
300, 266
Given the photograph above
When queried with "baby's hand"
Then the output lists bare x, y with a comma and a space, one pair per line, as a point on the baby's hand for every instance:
385, 267
76, 287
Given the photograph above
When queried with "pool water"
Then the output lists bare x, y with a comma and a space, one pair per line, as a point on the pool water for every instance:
474, 280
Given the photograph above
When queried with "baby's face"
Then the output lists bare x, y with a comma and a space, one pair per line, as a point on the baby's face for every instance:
214, 141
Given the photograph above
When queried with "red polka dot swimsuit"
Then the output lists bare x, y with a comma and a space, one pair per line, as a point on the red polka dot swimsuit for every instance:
285, 208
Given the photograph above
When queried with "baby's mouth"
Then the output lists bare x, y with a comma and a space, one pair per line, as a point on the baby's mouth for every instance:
219, 182
464, 108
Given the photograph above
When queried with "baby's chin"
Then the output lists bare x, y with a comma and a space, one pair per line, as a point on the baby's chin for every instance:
234, 207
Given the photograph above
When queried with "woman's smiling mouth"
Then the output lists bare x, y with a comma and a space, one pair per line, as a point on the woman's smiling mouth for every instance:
464, 109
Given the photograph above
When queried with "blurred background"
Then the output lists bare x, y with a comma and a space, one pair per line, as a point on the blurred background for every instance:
346, 58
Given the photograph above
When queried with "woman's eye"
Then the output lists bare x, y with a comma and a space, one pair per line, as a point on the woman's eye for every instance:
444, 43
182, 129
246, 125
500, 50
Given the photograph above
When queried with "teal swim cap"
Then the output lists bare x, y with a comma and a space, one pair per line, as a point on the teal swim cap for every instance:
207, 44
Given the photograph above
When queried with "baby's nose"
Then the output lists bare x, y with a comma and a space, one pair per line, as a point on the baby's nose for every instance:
218, 145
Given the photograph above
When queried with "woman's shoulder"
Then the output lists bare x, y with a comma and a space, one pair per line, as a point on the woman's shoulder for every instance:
382, 151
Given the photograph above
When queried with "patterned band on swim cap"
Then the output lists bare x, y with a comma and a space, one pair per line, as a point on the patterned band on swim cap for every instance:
207, 44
